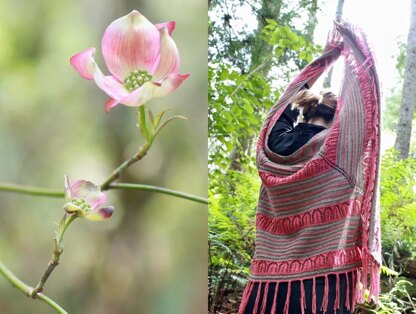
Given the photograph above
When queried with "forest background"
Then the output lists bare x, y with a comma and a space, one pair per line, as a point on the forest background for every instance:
150, 256
255, 48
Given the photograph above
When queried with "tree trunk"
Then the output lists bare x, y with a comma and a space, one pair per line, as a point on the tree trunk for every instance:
404, 126
312, 20
340, 8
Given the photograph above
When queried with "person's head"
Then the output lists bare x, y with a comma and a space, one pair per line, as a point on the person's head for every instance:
315, 106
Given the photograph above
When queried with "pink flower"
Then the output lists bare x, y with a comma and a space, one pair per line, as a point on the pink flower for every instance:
142, 58
85, 199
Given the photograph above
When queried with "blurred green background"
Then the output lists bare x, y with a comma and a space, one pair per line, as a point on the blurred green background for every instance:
151, 256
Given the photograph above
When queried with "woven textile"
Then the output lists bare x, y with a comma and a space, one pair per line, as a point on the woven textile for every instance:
318, 210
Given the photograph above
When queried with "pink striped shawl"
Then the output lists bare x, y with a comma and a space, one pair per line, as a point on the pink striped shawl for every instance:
318, 211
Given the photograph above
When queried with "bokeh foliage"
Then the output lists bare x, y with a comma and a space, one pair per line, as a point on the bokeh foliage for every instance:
151, 255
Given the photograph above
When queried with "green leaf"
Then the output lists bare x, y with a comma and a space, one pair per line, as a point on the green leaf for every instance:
159, 117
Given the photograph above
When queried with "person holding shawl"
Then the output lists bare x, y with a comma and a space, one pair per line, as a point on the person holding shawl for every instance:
317, 222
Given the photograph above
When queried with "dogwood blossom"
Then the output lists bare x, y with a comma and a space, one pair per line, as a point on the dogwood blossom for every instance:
142, 58
85, 199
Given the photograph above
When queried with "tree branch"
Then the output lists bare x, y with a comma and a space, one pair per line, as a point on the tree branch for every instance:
117, 172
157, 189
27, 290
24, 189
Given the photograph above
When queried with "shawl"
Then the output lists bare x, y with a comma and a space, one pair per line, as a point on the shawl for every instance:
318, 211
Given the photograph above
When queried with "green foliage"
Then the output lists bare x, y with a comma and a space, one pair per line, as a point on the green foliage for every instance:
398, 206
237, 106
239, 101
285, 40
395, 301
234, 38
233, 200
387, 271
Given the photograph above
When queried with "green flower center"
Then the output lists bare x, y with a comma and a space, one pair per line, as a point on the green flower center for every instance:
81, 204
136, 79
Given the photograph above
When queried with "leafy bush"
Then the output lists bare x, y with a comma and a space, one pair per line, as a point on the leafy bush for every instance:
233, 200
398, 207
398, 224
395, 300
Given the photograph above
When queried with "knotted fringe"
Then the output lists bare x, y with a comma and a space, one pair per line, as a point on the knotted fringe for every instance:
337, 296
256, 303
324, 305
355, 290
246, 296
274, 299
289, 290
313, 296
347, 297
302, 297
266, 293
371, 268
354, 293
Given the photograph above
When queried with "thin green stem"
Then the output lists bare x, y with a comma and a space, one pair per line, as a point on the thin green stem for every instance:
157, 189
143, 124
27, 290
112, 186
117, 172
24, 189
57, 251
52, 303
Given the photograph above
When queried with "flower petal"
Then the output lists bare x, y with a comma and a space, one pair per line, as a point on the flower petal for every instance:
130, 43
83, 63
67, 189
86, 66
89, 192
169, 25
136, 98
100, 214
172, 82
168, 61
111, 103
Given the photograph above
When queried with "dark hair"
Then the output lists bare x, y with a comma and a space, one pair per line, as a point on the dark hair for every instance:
314, 105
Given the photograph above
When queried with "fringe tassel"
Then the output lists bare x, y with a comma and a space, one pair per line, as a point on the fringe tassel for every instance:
313, 296
256, 304
347, 296
246, 297
375, 281
324, 306
302, 297
265, 295
355, 286
353, 294
364, 275
286, 308
337, 296
274, 305
359, 293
